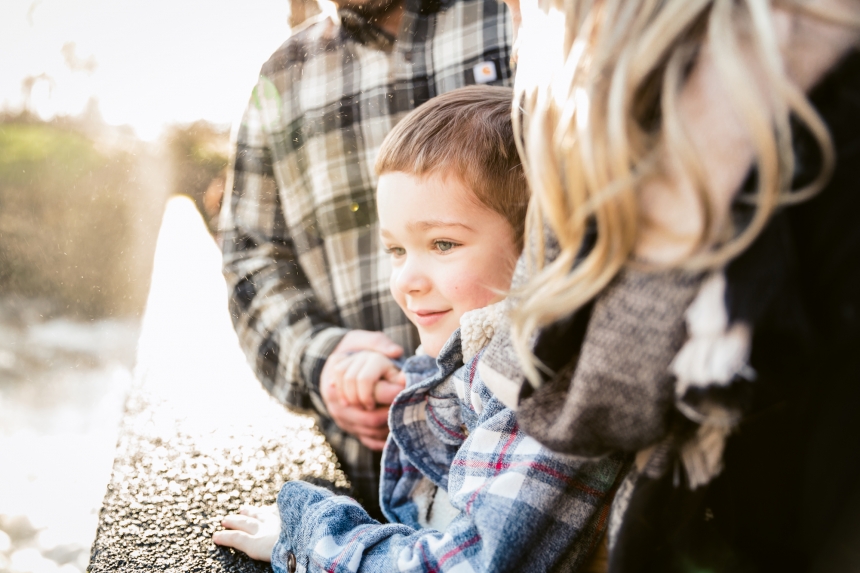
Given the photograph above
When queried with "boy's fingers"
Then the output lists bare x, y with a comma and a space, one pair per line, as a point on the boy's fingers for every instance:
259, 547
235, 539
349, 383
365, 395
384, 392
369, 376
390, 372
392, 350
243, 523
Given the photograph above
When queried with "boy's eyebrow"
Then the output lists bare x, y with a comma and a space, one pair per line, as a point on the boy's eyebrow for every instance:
434, 223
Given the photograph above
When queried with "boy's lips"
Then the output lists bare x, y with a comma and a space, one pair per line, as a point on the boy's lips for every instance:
429, 317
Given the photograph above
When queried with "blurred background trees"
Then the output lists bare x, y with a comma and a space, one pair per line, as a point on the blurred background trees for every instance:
198, 155
80, 203
66, 218
81, 200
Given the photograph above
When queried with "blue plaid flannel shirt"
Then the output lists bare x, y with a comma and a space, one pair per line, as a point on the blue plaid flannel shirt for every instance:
521, 506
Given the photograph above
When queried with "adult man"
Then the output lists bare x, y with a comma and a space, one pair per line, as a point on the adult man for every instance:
307, 276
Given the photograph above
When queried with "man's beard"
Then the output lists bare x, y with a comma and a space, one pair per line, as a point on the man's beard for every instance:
368, 9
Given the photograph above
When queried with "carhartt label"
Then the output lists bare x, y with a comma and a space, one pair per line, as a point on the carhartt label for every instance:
485, 72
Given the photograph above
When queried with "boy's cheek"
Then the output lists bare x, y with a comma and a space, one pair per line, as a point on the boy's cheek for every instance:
468, 290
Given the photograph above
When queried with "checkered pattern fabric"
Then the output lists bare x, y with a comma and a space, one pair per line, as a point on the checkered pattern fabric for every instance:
302, 257
520, 507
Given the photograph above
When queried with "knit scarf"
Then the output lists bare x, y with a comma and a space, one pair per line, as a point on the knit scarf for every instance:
656, 364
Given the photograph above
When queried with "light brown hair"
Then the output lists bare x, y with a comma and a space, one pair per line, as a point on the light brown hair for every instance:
468, 133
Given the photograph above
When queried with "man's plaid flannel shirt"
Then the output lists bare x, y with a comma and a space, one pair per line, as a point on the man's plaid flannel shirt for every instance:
521, 506
302, 255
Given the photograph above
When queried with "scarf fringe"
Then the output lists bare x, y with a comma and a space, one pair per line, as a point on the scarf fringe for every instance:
714, 355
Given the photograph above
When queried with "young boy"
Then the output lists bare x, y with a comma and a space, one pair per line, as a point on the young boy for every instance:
464, 489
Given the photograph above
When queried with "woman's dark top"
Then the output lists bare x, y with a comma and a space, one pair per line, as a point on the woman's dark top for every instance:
788, 498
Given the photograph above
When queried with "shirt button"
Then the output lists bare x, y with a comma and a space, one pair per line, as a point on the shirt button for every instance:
407, 55
291, 562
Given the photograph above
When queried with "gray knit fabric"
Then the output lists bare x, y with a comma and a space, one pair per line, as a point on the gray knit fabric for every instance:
499, 366
618, 393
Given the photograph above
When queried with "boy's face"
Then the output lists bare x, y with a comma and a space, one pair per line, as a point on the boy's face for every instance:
449, 253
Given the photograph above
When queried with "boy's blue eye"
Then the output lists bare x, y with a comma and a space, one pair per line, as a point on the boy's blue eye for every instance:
396, 251
445, 246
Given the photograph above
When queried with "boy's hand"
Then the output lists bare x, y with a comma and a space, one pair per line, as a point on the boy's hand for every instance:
359, 374
254, 531
386, 391
371, 428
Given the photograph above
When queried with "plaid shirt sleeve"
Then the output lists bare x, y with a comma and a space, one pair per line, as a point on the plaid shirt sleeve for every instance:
280, 325
521, 506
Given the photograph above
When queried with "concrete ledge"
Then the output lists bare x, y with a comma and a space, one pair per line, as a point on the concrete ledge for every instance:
171, 487
200, 436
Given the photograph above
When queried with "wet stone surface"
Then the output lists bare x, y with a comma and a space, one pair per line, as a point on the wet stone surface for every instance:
175, 478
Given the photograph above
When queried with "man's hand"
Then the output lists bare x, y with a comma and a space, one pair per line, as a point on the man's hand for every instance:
370, 427
254, 531
356, 340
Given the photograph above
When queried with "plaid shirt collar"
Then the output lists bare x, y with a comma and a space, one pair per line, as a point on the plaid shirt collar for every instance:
424, 375
356, 26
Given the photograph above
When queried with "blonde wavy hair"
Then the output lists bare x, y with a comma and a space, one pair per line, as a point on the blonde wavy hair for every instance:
594, 111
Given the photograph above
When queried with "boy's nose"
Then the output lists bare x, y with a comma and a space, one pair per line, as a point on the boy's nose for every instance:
411, 278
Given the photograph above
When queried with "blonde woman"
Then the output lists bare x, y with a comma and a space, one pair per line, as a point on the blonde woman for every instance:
691, 287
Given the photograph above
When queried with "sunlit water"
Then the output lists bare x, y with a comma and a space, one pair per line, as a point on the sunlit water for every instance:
63, 384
